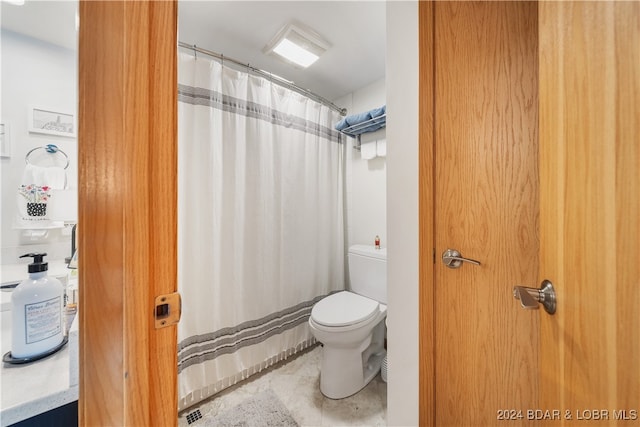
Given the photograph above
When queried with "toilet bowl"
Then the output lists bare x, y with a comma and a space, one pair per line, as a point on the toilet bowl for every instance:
351, 327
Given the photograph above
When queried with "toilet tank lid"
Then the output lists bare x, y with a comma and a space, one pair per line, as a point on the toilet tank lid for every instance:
368, 251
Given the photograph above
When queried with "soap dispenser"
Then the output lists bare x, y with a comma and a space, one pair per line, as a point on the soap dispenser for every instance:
36, 310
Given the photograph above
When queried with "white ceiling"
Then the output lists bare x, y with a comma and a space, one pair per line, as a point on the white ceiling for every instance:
241, 29
52, 21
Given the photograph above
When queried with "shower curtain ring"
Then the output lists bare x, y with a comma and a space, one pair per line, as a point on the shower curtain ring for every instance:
195, 52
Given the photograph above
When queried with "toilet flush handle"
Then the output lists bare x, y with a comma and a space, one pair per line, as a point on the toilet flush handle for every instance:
453, 259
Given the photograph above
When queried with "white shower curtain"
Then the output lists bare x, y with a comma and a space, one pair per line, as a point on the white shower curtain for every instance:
261, 223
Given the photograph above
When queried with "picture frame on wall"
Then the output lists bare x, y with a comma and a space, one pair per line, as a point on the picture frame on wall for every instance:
5, 140
51, 122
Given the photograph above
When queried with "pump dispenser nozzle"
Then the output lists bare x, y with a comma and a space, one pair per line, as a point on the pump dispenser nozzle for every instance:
38, 265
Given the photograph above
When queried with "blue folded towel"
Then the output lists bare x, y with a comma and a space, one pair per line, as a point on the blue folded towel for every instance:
358, 118
378, 111
342, 124
355, 119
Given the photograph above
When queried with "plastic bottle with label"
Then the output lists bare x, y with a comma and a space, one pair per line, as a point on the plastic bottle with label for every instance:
36, 310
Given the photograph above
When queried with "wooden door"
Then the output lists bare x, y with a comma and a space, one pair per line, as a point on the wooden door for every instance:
486, 207
127, 199
590, 210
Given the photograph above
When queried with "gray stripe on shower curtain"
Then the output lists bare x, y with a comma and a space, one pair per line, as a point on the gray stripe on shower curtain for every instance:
214, 99
197, 349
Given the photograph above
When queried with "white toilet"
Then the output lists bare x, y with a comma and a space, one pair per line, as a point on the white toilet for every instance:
350, 325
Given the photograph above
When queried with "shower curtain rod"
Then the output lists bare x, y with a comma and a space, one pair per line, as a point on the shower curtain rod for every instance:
275, 78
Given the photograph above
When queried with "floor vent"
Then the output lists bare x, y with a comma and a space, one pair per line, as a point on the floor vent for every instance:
194, 416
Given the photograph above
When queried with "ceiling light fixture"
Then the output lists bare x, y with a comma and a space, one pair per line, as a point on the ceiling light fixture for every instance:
15, 2
298, 44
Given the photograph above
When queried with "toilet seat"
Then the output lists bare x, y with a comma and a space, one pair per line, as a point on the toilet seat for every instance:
344, 309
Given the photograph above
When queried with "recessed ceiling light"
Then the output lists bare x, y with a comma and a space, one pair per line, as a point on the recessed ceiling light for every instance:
298, 44
294, 53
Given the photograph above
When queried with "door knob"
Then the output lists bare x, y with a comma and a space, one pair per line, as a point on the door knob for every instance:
531, 298
453, 259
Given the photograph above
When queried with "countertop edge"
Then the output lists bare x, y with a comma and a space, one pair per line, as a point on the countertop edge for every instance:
32, 408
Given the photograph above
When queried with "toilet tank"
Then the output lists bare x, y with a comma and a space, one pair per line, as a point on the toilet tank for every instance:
368, 271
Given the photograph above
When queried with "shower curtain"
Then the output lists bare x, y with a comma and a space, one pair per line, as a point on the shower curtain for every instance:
260, 222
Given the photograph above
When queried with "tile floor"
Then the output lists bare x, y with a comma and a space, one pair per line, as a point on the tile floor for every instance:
296, 381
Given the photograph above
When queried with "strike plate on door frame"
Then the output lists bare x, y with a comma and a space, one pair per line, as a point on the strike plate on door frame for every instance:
167, 310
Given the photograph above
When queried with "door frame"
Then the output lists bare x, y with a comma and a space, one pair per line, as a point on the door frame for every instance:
127, 217
426, 201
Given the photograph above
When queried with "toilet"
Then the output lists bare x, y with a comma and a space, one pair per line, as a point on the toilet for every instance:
351, 327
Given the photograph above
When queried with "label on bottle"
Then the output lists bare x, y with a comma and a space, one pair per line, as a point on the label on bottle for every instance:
42, 320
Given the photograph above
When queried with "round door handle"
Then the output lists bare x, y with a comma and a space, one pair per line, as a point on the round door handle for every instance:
454, 259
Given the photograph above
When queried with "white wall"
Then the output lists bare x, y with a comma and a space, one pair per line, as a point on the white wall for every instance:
44, 75
382, 198
366, 179
402, 212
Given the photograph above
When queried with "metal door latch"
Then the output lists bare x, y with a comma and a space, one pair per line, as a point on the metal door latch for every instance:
168, 309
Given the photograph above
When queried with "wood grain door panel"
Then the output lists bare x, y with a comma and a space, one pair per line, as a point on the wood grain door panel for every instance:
486, 206
589, 182
590, 209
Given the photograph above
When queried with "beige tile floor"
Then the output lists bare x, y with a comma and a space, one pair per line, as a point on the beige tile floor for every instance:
296, 382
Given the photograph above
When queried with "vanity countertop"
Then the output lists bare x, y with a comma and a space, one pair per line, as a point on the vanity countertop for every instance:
36, 387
